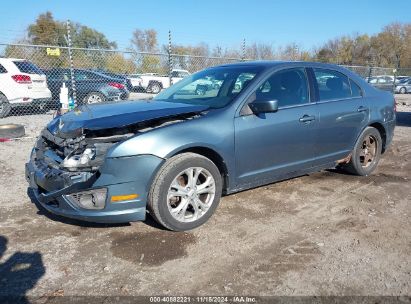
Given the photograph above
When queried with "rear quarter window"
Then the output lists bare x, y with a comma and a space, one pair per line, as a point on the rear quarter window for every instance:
27, 67
355, 89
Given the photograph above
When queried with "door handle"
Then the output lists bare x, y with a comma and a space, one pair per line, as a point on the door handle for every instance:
307, 118
362, 109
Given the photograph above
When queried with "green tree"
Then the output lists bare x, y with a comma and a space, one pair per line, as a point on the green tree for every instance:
86, 37
117, 63
46, 30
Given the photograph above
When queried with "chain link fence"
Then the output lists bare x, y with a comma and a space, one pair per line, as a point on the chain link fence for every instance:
32, 76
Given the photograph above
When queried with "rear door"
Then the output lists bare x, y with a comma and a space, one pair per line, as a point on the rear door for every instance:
343, 112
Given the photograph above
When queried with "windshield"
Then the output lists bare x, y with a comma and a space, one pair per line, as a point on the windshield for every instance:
214, 87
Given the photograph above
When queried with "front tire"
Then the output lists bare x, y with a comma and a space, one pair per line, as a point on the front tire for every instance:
366, 153
5, 107
403, 90
185, 192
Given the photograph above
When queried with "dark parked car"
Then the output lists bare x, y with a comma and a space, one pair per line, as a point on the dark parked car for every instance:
118, 77
177, 154
91, 87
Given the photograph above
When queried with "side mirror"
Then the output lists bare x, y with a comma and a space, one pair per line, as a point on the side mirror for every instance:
263, 106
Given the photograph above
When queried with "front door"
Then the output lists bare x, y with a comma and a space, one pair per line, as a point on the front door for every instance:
271, 145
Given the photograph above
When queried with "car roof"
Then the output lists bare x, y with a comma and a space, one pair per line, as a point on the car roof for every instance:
272, 65
275, 63
291, 64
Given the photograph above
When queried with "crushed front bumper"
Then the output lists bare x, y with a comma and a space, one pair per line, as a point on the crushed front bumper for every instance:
52, 188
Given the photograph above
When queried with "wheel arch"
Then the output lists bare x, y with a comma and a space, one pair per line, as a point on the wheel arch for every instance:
151, 82
215, 157
383, 133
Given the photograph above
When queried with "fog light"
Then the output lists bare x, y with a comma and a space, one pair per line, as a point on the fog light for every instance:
92, 199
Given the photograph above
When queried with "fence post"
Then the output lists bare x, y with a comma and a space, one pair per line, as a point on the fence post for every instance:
170, 59
73, 81
243, 50
369, 73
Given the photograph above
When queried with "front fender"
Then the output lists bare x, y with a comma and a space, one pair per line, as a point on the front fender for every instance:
167, 141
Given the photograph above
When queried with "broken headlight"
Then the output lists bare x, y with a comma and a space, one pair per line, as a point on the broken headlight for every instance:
91, 157
80, 160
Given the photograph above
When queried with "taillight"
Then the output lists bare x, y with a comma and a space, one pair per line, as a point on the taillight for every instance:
116, 85
22, 79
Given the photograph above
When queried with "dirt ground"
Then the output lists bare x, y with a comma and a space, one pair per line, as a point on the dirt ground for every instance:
322, 234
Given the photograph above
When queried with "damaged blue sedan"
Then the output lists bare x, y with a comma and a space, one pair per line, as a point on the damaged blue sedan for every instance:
222, 130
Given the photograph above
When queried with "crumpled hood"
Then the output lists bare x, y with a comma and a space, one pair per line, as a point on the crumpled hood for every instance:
115, 115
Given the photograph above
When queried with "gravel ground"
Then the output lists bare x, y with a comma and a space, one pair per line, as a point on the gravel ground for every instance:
322, 234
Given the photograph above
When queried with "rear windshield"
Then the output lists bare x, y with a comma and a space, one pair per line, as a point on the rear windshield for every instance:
27, 67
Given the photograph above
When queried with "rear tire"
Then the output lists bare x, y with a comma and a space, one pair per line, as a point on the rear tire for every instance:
179, 202
155, 88
5, 107
366, 153
94, 97
403, 90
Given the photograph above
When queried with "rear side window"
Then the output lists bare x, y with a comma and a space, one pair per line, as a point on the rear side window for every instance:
27, 67
332, 84
2, 69
355, 89
86, 75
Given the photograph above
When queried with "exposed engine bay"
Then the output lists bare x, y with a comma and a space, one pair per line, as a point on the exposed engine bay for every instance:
87, 151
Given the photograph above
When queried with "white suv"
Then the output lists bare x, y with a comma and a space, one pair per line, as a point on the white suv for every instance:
21, 83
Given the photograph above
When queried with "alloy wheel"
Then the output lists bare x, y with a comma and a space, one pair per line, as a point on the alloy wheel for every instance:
368, 151
94, 98
191, 194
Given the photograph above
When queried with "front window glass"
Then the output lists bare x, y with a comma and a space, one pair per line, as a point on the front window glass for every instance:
288, 87
332, 84
214, 87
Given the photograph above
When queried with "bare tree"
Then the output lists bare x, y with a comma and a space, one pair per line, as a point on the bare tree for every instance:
145, 40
